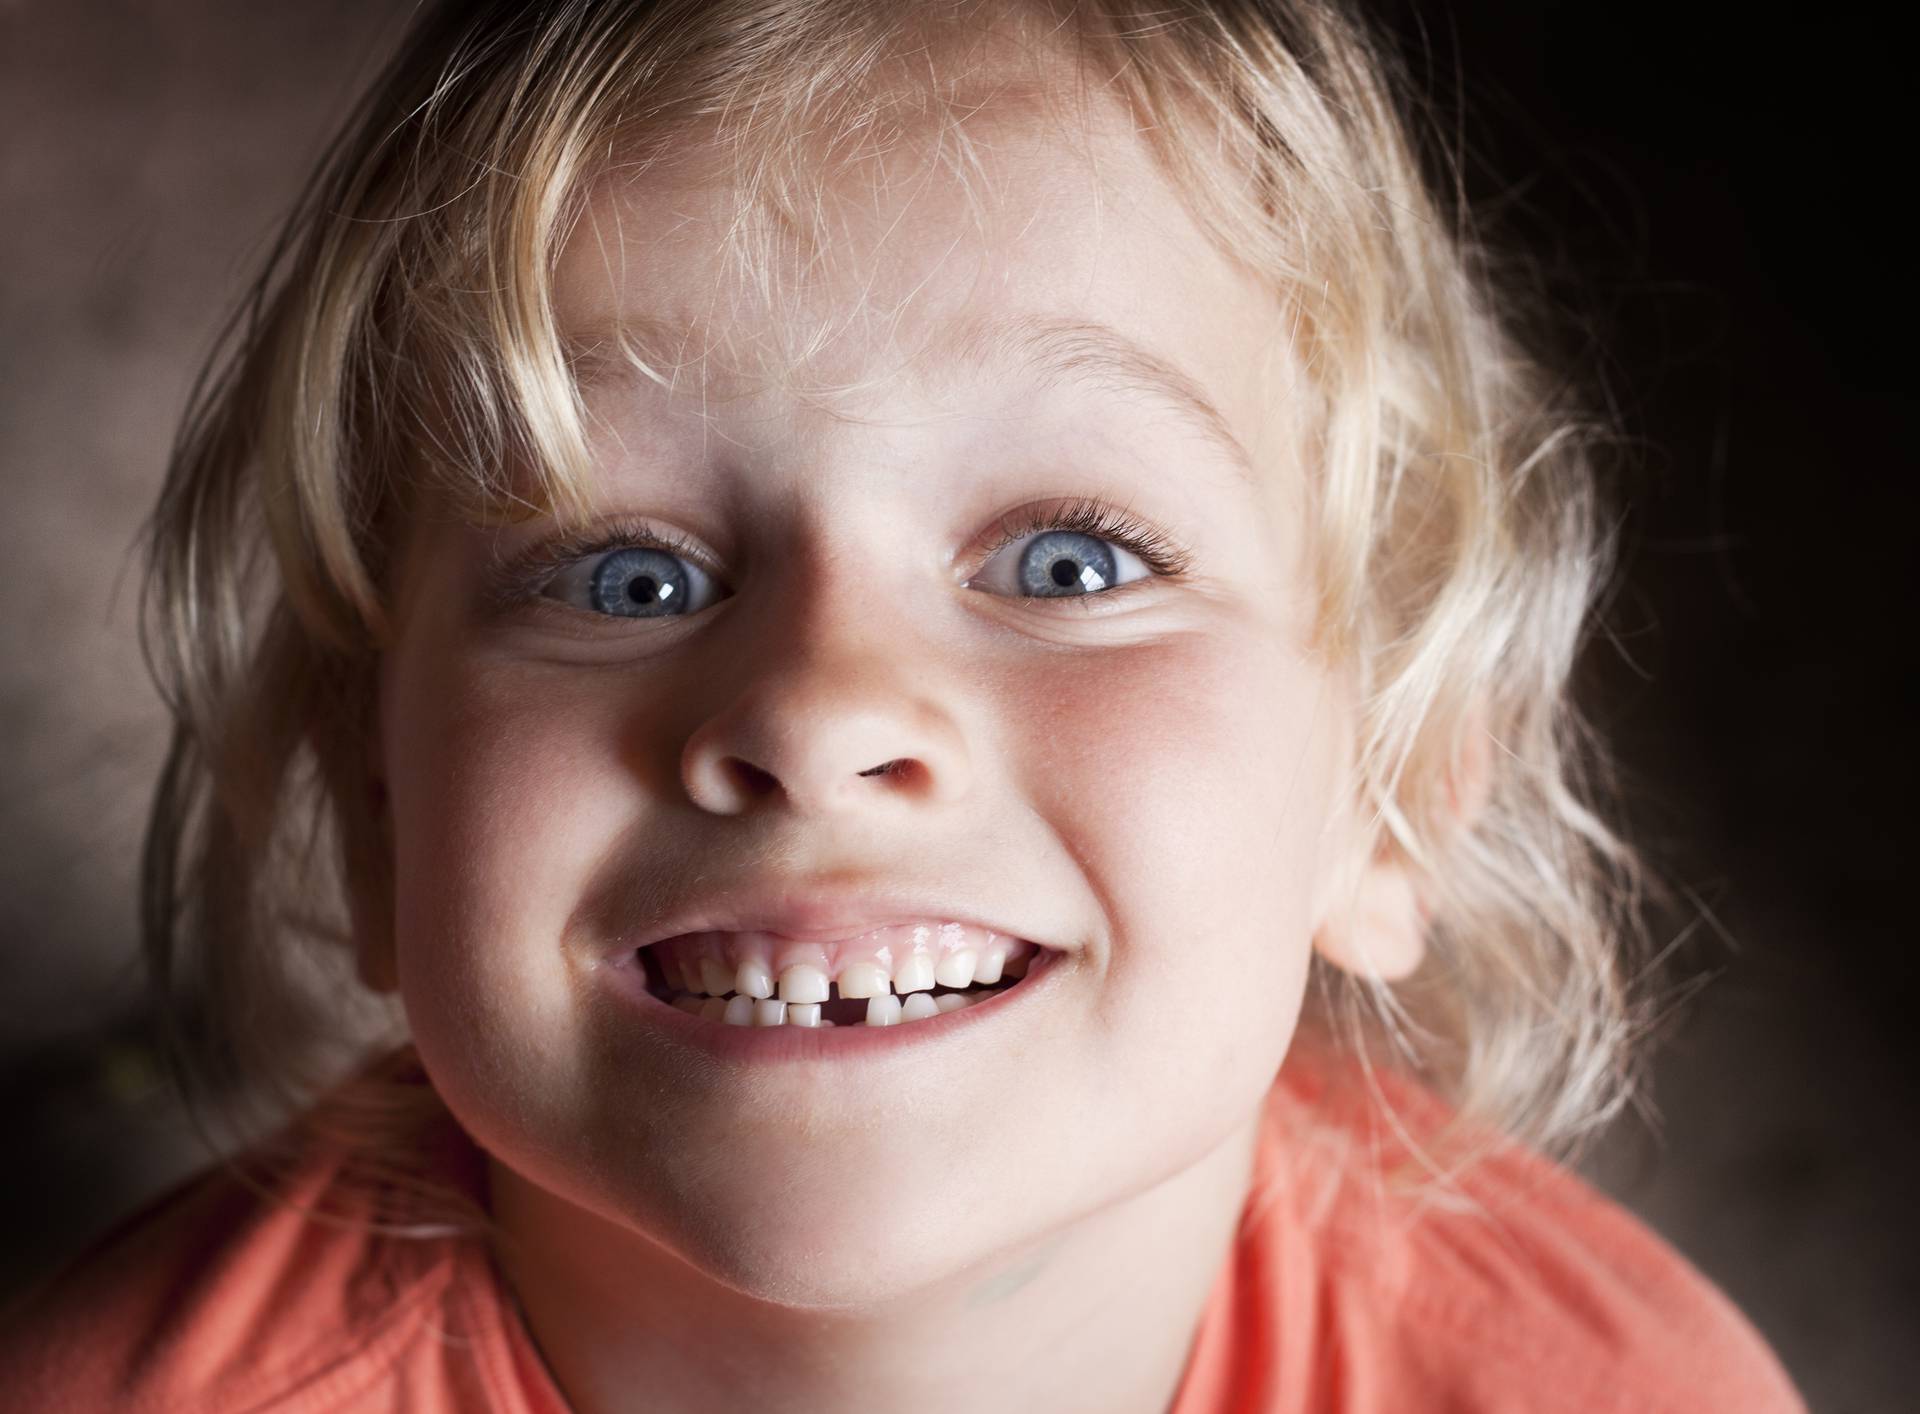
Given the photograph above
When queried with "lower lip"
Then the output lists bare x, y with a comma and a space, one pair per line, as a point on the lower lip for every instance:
778, 1044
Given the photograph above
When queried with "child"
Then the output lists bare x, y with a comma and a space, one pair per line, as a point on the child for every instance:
925, 645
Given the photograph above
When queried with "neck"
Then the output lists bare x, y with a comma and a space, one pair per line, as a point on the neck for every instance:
1099, 1316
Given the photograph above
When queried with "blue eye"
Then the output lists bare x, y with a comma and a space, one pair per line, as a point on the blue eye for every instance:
634, 582
635, 571
1060, 564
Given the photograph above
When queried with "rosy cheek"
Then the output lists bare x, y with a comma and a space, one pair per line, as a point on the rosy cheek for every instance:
1189, 778
1191, 728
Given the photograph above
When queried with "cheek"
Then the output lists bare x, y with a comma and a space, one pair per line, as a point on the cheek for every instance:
506, 795
1195, 755
1193, 781
1190, 781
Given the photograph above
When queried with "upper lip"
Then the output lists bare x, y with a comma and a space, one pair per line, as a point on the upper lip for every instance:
816, 914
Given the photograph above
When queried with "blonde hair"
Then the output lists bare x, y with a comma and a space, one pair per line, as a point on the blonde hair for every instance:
402, 342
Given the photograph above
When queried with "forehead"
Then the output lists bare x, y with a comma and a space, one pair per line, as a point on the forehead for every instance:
1005, 240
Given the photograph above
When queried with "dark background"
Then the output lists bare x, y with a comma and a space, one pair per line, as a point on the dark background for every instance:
1713, 204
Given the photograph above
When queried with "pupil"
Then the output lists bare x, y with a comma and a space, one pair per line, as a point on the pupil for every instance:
643, 589
1064, 573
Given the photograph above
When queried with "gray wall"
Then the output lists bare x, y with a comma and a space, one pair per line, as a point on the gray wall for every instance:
146, 153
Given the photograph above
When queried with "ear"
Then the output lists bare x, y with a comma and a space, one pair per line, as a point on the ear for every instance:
1379, 927
1375, 921
369, 881
361, 802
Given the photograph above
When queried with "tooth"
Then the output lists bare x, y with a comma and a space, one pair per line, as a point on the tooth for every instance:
803, 982
739, 1011
917, 1007
752, 979
769, 1011
689, 1003
883, 1010
713, 1009
670, 969
987, 971
715, 980
863, 979
803, 1013
1017, 964
950, 1001
913, 973
956, 968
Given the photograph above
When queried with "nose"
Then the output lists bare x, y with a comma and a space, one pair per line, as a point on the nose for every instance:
826, 732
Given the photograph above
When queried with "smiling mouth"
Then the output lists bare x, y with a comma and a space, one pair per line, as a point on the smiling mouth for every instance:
886, 977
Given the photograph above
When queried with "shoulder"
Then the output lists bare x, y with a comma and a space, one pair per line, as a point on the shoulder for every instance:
1518, 1286
221, 1297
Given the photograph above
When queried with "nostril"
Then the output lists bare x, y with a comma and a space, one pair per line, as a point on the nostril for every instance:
751, 780
904, 775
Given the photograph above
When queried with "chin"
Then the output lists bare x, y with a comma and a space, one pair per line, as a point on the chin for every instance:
834, 1238
871, 1267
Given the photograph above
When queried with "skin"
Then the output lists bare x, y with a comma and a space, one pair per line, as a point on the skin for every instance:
1028, 1214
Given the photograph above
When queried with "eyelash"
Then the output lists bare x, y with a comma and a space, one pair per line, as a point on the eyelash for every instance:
1157, 551
525, 577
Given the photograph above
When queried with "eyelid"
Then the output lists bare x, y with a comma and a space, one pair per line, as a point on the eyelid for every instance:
523, 577
1161, 554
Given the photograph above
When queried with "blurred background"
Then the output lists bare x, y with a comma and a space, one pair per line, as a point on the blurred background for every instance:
1713, 208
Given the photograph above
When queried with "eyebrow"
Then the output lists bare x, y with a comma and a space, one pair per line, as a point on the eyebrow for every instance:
1098, 356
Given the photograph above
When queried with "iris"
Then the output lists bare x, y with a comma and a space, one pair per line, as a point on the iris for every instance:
639, 583
1065, 562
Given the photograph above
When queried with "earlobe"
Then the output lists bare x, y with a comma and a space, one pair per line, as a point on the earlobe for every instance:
1380, 928
1372, 923
1376, 924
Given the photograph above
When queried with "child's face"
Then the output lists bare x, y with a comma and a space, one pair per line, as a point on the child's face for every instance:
1149, 779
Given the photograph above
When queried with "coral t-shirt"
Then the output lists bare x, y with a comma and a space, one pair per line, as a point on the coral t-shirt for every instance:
1336, 1298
